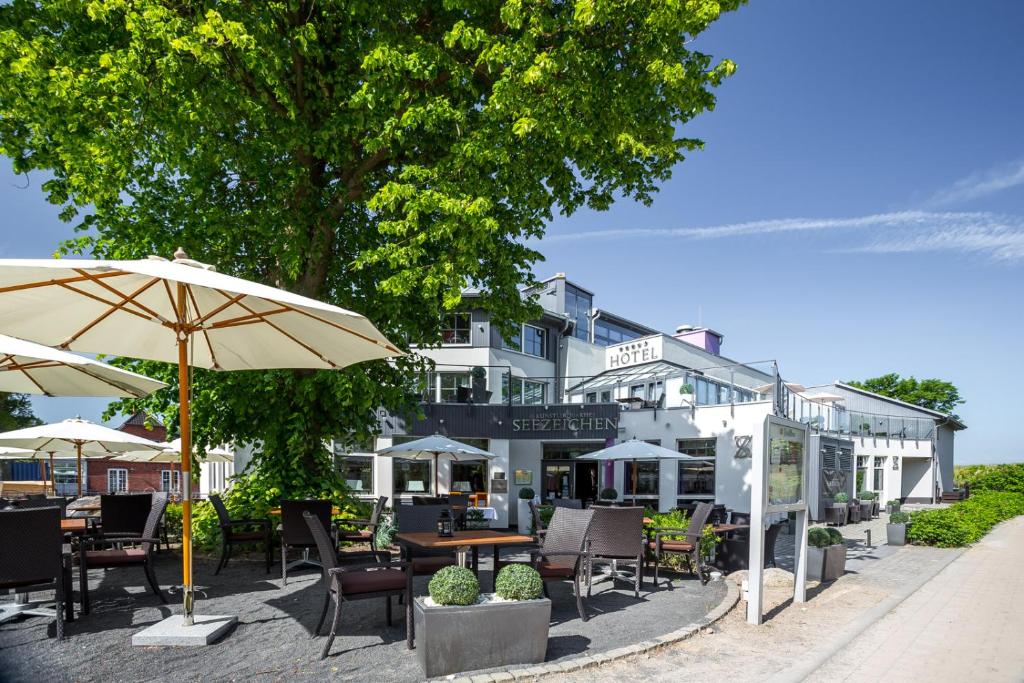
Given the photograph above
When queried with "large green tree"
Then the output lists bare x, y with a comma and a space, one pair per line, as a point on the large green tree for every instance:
380, 156
16, 412
934, 394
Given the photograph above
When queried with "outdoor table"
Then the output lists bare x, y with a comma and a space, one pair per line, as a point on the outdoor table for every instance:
276, 512
75, 525
463, 542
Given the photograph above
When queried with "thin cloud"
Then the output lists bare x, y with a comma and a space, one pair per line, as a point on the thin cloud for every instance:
998, 236
979, 185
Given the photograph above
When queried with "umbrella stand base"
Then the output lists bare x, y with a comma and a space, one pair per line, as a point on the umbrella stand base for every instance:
173, 633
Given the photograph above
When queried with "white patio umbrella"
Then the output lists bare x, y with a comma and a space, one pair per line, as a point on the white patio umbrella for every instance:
172, 453
81, 437
182, 312
433, 447
29, 368
792, 386
634, 450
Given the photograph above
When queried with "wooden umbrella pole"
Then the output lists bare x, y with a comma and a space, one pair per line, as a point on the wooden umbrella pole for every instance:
53, 480
634, 481
78, 448
186, 462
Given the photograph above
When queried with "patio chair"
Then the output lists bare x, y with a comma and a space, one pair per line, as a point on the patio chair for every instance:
836, 514
125, 515
239, 532
733, 553
570, 503
853, 511
538, 523
617, 538
563, 552
665, 543
89, 557
413, 518
44, 502
33, 556
295, 532
460, 501
368, 534
357, 583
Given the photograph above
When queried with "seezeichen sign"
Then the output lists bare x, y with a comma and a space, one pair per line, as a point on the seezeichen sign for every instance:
572, 422
635, 352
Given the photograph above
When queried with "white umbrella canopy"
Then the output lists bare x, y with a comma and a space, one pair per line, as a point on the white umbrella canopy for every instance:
792, 386
172, 453
182, 312
29, 368
432, 447
80, 437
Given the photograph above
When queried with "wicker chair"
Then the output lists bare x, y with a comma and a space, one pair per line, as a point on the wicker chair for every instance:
538, 523
617, 538
239, 532
125, 515
88, 557
570, 503
33, 555
664, 542
295, 532
413, 518
357, 583
368, 533
563, 553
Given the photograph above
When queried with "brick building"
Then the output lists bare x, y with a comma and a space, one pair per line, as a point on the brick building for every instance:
106, 476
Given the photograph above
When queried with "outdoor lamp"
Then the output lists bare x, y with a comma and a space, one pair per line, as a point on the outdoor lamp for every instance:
445, 528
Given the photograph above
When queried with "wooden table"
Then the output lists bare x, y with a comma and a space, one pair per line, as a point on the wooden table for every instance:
276, 512
462, 542
75, 525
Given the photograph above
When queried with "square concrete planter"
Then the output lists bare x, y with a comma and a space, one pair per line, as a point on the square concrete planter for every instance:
826, 564
455, 639
896, 534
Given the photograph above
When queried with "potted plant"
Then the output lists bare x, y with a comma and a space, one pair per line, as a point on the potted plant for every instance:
892, 506
686, 393
608, 495
867, 504
479, 379
826, 554
896, 529
526, 494
840, 508
458, 629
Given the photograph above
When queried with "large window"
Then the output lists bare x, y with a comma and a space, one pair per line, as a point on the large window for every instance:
469, 476
862, 472
608, 333
413, 477
879, 474
117, 480
449, 383
577, 306
523, 391
170, 481
697, 477
646, 478
529, 339
456, 328
357, 471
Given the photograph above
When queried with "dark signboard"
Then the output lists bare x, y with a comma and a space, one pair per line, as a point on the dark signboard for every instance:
499, 421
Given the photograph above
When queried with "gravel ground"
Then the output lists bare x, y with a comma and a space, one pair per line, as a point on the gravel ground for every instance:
273, 639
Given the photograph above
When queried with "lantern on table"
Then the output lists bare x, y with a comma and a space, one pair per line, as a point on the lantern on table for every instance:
445, 524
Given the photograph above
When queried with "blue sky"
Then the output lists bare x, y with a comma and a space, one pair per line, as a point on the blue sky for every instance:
858, 208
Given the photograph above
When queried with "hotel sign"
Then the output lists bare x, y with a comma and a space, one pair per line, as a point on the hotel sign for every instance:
635, 352
498, 421
557, 420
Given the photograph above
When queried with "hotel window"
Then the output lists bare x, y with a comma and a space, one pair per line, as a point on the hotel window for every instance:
117, 480
412, 477
608, 333
697, 477
524, 391
455, 328
606, 397
535, 341
533, 392
469, 476
879, 474
655, 390
515, 342
449, 383
646, 478
591, 397
577, 306
638, 391
170, 480
862, 472
357, 471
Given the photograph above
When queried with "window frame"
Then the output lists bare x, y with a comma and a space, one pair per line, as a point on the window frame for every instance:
173, 485
123, 471
706, 449
455, 328
542, 337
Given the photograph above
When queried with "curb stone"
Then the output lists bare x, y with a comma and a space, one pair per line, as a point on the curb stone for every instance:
732, 596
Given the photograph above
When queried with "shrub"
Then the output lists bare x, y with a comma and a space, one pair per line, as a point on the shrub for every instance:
454, 585
386, 530
172, 519
834, 536
867, 495
1007, 478
842, 497
609, 494
518, 582
965, 522
818, 537
526, 493
899, 518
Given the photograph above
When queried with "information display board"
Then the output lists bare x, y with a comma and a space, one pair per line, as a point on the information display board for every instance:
786, 466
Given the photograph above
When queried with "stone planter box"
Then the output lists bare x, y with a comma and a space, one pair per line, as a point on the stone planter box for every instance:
896, 534
451, 640
826, 564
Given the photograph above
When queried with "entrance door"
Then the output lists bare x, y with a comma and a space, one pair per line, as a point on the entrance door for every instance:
557, 480
586, 481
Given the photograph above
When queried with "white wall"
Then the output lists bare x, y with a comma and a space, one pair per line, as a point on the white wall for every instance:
522, 455
917, 478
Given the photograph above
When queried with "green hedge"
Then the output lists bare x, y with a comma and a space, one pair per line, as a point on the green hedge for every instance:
1007, 478
965, 522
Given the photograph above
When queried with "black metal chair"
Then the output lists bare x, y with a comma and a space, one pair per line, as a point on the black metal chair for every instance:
414, 518
666, 542
357, 583
89, 557
239, 532
563, 552
295, 532
368, 534
32, 556
733, 553
617, 538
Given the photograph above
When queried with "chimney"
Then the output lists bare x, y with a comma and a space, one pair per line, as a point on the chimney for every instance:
703, 337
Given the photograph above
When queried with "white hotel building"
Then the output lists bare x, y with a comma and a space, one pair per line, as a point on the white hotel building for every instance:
581, 378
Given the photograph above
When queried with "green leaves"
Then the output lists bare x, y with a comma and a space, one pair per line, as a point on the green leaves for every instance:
934, 394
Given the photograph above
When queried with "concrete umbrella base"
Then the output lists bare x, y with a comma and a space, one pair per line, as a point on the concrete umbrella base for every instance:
207, 629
